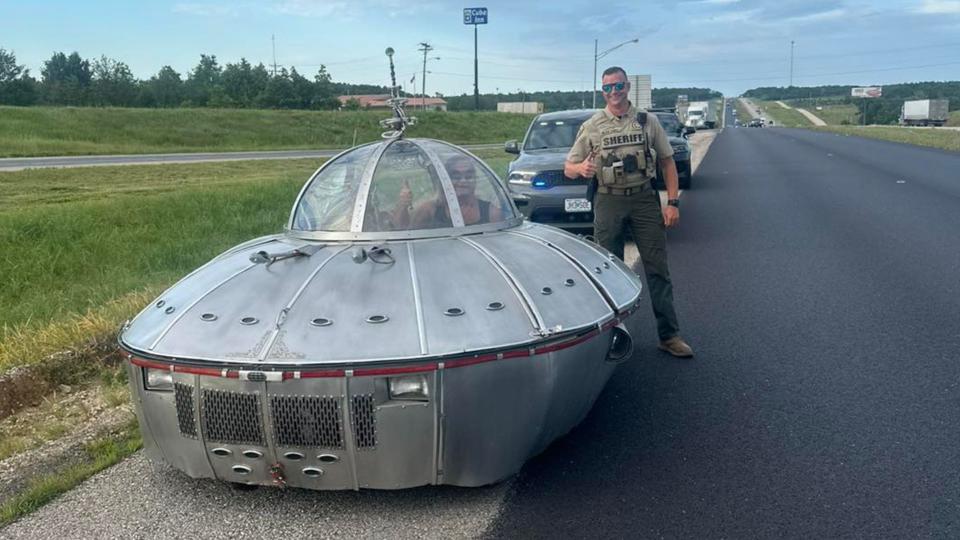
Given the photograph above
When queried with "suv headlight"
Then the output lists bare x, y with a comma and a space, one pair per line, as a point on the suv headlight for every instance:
521, 177
158, 379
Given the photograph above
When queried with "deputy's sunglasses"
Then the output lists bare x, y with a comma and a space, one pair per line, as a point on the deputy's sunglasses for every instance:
607, 88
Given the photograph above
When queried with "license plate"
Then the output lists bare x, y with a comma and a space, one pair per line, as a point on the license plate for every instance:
577, 205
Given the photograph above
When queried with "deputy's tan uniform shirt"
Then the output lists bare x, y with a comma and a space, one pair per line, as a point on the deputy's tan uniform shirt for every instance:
616, 138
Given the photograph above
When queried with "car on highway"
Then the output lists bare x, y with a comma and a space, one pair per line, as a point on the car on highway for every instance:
677, 134
536, 182
756, 122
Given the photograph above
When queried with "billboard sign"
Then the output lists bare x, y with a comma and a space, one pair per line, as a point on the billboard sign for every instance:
476, 15
866, 91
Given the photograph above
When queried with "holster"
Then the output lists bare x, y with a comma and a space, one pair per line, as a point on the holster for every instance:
592, 189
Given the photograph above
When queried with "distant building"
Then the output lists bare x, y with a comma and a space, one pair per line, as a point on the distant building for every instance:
641, 90
380, 101
528, 107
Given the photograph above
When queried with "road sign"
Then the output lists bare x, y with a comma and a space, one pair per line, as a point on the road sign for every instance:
866, 91
477, 15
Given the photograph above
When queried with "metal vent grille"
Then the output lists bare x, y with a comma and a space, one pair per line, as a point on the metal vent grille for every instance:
364, 422
184, 397
307, 421
231, 417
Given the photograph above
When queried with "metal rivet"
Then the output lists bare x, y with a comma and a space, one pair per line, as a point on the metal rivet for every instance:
161, 303
222, 452
597, 270
249, 321
569, 282
169, 310
495, 306
377, 319
208, 317
453, 312
313, 472
253, 454
295, 456
320, 321
242, 469
328, 458
606, 264
546, 291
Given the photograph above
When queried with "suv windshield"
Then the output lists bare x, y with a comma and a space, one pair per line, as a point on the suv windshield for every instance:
669, 122
548, 134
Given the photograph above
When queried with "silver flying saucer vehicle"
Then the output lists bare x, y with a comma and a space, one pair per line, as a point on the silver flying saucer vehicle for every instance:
407, 328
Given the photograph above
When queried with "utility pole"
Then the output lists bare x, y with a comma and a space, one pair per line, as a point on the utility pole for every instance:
594, 74
273, 43
424, 48
476, 73
791, 62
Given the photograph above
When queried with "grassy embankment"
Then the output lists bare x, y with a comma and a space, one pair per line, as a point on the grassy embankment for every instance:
56, 131
946, 139
743, 114
782, 116
85, 248
954, 120
838, 115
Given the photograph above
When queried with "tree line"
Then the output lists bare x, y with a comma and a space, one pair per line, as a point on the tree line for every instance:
882, 110
107, 82
565, 100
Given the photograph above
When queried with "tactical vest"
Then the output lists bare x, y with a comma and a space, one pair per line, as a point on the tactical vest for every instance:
624, 159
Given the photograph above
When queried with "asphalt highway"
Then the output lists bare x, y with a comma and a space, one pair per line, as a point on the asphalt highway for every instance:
19, 164
816, 276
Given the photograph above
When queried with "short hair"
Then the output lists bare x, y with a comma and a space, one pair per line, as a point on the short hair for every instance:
614, 69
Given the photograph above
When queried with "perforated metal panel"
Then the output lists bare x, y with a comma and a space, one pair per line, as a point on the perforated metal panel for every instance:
364, 422
231, 417
307, 421
184, 398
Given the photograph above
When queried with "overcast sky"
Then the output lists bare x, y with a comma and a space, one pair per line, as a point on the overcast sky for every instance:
728, 45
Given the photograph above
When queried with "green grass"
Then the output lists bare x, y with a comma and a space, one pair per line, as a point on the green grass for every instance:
86, 248
838, 115
784, 117
49, 131
100, 454
945, 139
954, 119
743, 114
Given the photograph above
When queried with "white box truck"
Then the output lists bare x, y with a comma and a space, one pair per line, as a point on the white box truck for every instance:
924, 112
641, 91
701, 114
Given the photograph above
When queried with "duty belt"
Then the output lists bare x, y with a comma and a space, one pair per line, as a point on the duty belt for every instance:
624, 191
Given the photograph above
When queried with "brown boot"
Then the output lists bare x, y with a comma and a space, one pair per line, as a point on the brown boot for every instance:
677, 347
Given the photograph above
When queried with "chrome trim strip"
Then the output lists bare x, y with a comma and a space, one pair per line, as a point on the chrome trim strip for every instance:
598, 285
296, 296
445, 232
348, 442
438, 419
417, 303
306, 185
453, 204
526, 301
504, 195
360, 205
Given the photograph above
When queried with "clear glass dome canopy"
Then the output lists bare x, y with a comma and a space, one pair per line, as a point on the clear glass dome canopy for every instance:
402, 188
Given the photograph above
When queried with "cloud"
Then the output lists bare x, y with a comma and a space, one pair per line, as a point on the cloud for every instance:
821, 16
937, 7
312, 8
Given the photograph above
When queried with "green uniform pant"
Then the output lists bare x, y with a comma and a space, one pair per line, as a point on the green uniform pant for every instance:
640, 214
